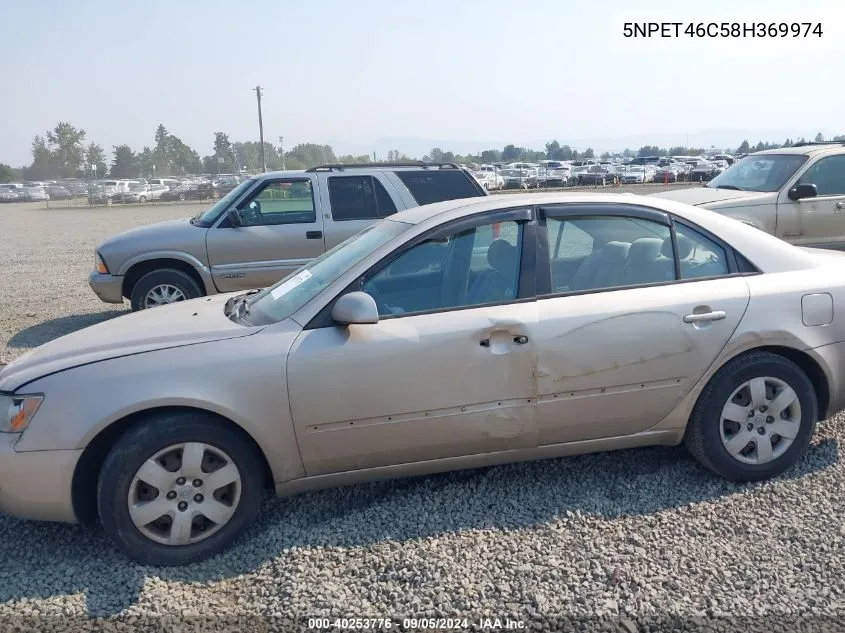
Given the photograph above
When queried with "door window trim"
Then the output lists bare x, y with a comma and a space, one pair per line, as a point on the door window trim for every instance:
223, 221
738, 265
526, 288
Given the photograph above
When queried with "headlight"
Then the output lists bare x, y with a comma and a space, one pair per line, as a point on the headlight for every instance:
100, 265
17, 411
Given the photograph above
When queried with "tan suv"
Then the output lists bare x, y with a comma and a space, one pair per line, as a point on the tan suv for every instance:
265, 228
795, 193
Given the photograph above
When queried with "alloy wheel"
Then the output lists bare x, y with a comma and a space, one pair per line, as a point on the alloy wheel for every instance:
162, 295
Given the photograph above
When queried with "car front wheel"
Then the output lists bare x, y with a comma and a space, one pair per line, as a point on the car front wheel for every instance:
179, 488
754, 419
161, 287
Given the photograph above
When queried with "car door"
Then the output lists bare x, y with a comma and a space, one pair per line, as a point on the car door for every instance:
621, 340
820, 220
448, 369
281, 229
353, 202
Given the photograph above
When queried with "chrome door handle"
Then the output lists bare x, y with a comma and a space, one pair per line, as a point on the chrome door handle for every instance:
716, 315
840, 205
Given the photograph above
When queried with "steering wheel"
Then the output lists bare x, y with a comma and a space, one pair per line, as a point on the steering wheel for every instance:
380, 304
251, 214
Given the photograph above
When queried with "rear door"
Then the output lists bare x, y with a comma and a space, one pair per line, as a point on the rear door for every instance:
622, 339
351, 202
283, 229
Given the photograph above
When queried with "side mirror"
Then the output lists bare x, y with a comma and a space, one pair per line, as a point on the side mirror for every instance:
235, 218
805, 190
355, 308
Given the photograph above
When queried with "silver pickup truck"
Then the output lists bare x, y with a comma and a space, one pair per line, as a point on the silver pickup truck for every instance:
795, 193
265, 228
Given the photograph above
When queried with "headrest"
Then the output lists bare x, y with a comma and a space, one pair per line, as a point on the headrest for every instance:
502, 256
615, 251
684, 247
644, 250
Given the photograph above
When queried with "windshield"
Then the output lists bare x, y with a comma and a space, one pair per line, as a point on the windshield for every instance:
764, 173
209, 216
293, 292
135, 186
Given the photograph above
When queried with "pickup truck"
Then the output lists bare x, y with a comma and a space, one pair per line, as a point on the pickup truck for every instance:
795, 193
265, 228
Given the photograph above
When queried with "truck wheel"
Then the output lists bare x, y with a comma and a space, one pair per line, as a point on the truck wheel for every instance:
179, 488
163, 286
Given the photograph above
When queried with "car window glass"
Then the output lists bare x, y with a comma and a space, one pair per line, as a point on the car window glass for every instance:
281, 202
472, 267
699, 256
828, 175
620, 251
567, 240
358, 198
428, 186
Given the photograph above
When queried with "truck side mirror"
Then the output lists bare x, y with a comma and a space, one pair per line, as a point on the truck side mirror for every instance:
804, 190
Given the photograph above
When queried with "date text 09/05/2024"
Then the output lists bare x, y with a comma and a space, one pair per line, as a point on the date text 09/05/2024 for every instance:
722, 29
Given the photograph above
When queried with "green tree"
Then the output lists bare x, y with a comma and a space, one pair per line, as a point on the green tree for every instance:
146, 163
605, 156
9, 174
491, 156
223, 155
66, 144
125, 163
743, 148
43, 162
819, 138
308, 155
511, 153
628, 153
651, 150
183, 160
349, 159
95, 158
552, 150
589, 153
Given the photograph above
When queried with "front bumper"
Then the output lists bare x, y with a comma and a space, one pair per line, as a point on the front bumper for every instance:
36, 484
108, 288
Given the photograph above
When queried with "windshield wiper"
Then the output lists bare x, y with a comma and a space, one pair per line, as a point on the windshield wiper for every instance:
731, 187
194, 220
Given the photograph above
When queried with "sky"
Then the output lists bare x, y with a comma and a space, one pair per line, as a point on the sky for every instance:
373, 75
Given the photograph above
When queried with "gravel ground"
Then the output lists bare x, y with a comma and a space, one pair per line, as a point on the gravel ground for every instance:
626, 541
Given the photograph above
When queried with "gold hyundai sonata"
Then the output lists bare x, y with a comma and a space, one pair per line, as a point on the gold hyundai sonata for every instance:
461, 334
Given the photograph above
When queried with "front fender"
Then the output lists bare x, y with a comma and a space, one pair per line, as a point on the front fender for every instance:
243, 380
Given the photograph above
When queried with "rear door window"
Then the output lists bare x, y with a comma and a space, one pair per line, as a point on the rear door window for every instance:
359, 198
436, 185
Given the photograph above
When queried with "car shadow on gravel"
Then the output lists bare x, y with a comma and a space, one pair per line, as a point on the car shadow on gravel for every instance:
57, 559
46, 331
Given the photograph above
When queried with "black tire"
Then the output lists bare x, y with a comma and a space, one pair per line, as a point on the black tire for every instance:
142, 200
141, 442
181, 280
703, 439
181, 196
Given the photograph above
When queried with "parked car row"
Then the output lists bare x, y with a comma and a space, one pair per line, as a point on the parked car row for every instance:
592, 172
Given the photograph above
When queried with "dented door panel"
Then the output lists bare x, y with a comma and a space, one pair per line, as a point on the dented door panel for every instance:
617, 362
415, 388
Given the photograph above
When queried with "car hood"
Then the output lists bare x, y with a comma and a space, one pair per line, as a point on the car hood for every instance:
699, 196
185, 323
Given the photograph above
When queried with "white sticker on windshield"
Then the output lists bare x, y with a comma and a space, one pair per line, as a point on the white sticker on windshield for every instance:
290, 284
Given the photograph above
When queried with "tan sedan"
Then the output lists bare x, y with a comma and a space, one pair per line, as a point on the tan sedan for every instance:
462, 334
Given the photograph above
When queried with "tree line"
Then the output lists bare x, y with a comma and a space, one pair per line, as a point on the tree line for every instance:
64, 152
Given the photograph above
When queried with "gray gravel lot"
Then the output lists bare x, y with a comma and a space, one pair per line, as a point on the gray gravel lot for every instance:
634, 536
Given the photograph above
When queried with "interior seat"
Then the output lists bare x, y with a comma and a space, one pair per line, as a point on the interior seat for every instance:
602, 268
641, 266
499, 282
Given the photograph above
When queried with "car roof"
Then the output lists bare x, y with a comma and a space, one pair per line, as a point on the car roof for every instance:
804, 150
766, 251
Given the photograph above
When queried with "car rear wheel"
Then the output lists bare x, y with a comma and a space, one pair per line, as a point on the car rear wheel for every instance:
179, 488
754, 419
161, 287
142, 199
181, 196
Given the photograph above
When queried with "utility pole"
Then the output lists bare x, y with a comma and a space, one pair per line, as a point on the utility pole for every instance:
260, 129
282, 150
